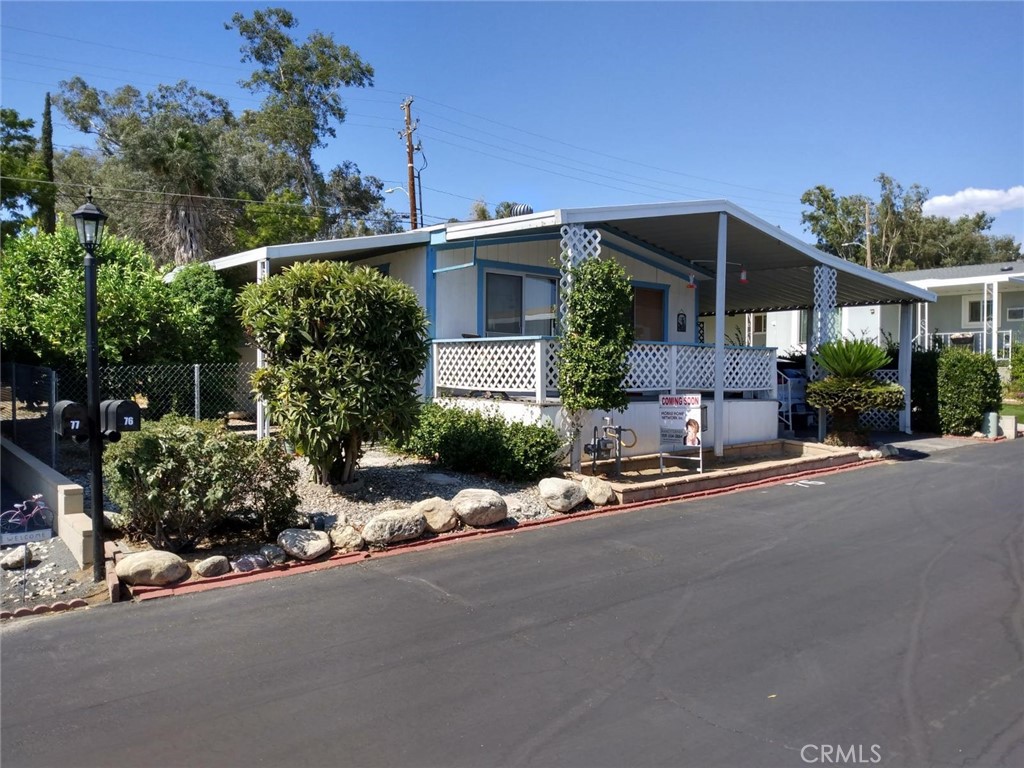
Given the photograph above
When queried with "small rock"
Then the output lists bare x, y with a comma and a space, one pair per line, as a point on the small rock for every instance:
19, 557
304, 544
274, 554
478, 507
217, 565
561, 495
439, 514
599, 491
513, 507
345, 538
152, 568
389, 527
247, 563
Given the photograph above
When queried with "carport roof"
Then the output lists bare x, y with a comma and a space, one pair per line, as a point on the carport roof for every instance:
779, 266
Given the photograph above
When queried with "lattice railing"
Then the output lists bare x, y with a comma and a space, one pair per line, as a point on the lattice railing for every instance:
528, 367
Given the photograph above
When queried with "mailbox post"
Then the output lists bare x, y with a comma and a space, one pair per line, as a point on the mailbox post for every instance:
89, 222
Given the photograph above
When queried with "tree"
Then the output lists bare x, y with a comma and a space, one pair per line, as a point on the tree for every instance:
20, 168
202, 311
47, 191
479, 211
902, 236
42, 301
302, 83
281, 218
344, 348
172, 136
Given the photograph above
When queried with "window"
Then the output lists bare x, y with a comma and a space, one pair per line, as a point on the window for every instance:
972, 311
1015, 313
648, 314
519, 305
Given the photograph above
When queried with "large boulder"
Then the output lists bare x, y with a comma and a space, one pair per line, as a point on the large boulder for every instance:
599, 491
217, 565
153, 568
439, 514
390, 527
17, 558
478, 507
561, 495
345, 538
304, 544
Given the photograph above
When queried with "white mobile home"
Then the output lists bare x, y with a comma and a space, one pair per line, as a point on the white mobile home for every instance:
490, 290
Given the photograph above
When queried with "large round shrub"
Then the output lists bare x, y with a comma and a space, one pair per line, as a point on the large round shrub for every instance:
969, 387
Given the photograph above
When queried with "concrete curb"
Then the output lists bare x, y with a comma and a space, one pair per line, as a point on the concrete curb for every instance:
141, 593
39, 610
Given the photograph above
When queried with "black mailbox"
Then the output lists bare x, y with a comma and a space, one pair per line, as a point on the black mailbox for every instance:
71, 419
117, 416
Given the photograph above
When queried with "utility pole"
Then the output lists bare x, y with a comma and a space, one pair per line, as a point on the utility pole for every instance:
409, 150
867, 234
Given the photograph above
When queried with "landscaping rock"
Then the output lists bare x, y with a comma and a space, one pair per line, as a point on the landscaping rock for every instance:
274, 554
561, 495
478, 507
153, 568
17, 558
217, 565
439, 514
390, 527
247, 563
599, 491
303, 544
872, 454
345, 538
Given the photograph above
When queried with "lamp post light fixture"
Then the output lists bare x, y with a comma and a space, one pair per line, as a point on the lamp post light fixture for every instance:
89, 222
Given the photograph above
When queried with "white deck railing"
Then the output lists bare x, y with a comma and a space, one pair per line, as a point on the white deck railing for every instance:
527, 367
977, 341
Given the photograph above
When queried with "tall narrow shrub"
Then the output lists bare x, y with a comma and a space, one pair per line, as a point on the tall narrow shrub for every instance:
969, 387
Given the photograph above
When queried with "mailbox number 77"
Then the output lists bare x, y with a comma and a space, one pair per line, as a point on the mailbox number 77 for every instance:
76, 424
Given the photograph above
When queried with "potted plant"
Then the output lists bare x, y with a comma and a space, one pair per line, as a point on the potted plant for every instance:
849, 388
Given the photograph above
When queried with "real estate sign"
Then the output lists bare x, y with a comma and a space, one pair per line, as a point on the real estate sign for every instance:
681, 420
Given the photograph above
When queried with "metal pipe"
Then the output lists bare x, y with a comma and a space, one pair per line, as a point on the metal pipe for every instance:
93, 406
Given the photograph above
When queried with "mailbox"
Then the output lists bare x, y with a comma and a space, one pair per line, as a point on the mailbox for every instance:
117, 416
71, 419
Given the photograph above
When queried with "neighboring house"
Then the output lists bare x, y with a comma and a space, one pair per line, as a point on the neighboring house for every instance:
490, 290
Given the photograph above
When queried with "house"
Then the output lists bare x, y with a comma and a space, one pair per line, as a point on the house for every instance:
491, 292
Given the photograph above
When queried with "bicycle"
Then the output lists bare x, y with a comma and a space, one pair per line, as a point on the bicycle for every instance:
30, 515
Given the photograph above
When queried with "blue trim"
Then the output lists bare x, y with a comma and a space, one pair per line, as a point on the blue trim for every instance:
685, 277
654, 249
431, 302
518, 268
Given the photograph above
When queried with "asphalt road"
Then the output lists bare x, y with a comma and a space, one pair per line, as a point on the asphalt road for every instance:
876, 618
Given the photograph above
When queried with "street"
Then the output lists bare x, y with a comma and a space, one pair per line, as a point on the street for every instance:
874, 618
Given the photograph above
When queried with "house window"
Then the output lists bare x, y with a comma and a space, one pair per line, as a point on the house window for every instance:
519, 305
648, 314
1015, 314
972, 311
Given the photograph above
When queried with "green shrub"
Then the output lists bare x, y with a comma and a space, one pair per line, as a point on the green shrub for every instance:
470, 441
851, 358
178, 480
968, 387
1016, 383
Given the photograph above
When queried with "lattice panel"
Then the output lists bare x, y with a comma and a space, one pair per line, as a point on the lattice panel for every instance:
649, 368
695, 368
824, 307
550, 352
885, 421
578, 244
749, 369
507, 366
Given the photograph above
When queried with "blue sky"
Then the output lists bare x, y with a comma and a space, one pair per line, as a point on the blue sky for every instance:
579, 104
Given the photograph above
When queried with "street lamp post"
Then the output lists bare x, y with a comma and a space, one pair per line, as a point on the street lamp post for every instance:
89, 221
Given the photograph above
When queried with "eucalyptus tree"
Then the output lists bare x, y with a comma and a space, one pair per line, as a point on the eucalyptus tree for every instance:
21, 170
301, 82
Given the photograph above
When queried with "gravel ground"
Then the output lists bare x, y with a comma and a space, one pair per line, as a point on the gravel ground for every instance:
385, 482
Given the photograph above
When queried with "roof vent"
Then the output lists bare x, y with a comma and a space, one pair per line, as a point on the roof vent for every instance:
520, 209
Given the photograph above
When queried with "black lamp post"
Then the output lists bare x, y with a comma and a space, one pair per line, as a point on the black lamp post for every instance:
89, 221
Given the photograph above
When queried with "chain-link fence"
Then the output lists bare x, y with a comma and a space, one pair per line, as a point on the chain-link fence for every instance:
203, 391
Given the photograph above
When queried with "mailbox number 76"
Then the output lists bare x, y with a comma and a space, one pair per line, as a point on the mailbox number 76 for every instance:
129, 421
